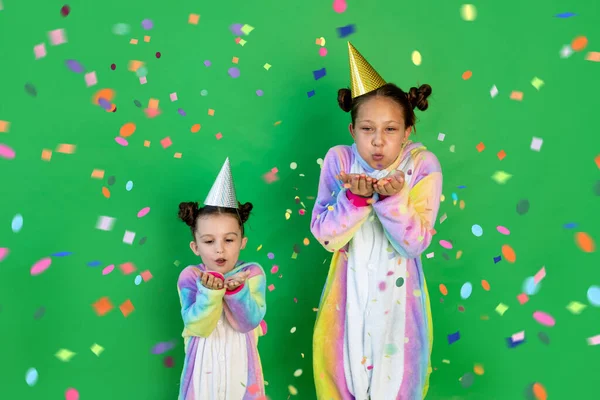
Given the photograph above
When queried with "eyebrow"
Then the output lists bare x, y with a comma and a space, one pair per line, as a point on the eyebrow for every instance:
228, 233
385, 122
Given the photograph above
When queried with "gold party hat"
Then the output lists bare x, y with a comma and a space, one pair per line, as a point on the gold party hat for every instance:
364, 78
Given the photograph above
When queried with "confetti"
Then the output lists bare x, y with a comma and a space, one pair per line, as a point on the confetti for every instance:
102, 306
105, 223
162, 347
416, 58
468, 12
480, 147
30, 90
565, 15
537, 83
39, 51
594, 341
318, 74
576, 307
453, 337
544, 318
501, 177
441, 136
31, 376
65, 148
339, 6
193, 19
536, 144
126, 308
593, 56
346, 30
466, 290
71, 394
127, 268
64, 355
234, 72
3, 253
494, 91
485, 285
97, 349
311, 93
522, 207
57, 37
593, 295
509, 254
539, 391
41, 266
166, 142
128, 237
467, 380
585, 242
516, 95
322, 51
579, 43
246, 29
467, 75
501, 309
501, 155
17, 223
107, 270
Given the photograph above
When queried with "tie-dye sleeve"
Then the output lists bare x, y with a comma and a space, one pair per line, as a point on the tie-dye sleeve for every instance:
246, 306
408, 217
201, 308
335, 218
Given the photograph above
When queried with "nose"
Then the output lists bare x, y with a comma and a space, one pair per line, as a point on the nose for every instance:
377, 139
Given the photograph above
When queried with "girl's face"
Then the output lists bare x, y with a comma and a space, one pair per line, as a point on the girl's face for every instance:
379, 131
218, 242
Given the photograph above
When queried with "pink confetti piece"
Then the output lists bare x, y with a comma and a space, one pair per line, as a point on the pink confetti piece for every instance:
143, 80
91, 79
544, 318
127, 268
445, 244
539, 276
57, 37
219, 136
523, 298
143, 212
146, 275
339, 6
6, 152
122, 141
39, 51
323, 51
271, 287
274, 269
108, 270
173, 96
503, 230
41, 266
152, 112
71, 394
166, 142
3, 253
518, 337
594, 340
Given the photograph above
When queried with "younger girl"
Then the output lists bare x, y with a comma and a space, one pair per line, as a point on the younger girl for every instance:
377, 203
222, 301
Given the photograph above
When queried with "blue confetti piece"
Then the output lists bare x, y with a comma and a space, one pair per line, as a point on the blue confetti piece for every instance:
319, 73
62, 254
570, 225
453, 337
565, 15
93, 263
462, 187
513, 343
497, 259
347, 30
311, 93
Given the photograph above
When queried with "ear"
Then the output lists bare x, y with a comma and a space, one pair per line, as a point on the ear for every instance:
244, 242
351, 130
194, 247
407, 132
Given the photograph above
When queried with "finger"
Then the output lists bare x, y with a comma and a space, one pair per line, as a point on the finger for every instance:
218, 283
204, 278
211, 280
385, 190
354, 185
362, 184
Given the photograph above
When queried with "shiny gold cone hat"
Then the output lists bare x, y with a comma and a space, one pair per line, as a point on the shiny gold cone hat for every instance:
363, 77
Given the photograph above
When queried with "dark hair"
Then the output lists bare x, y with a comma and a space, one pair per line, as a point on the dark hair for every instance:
416, 97
190, 211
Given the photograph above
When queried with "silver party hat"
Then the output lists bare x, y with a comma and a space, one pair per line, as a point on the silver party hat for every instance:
222, 193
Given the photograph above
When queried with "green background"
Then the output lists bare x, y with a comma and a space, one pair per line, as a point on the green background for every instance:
508, 44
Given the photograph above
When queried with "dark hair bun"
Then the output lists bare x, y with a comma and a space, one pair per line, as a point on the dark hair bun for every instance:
244, 210
345, 99
418, 97
188, 211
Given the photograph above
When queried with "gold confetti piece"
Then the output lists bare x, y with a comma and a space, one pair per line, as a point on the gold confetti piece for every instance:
4, 126
461, 204
177, 155
242, 42
459, 254
306, 242
501, 177
537, 83
293, 390
97, 349
65, 148
147, 39
297, 373
468, 12
416, 58
277, 123
177, 263
246, 29
146, 143
267, 66
134, 65
46, 154
576, 307
235, 60
478, 369
501, 309
98, 173
211, 112
153, 104
446, 361
64, 355
133, 41
302, 354
593, 56
293, 330
259, 247
294, 256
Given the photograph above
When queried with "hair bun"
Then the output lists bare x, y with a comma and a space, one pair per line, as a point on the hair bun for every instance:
345, 99
188, 212
418, 97
244, 210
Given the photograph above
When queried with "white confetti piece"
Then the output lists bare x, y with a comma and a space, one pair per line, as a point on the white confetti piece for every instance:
441, 136
128, 237
494, 91
105, 223
566, 51
594, 341
536, 144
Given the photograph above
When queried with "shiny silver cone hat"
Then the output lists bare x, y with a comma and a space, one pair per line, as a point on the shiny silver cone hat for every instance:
222, 193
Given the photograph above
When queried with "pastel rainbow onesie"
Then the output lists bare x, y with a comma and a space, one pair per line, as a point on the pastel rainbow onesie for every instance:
373, 333
221, 330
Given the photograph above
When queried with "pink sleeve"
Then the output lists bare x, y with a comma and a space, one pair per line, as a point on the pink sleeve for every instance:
409, 216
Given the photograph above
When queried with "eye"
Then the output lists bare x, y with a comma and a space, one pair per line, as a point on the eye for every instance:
391, 129
208, 241
229, 240
366, 128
